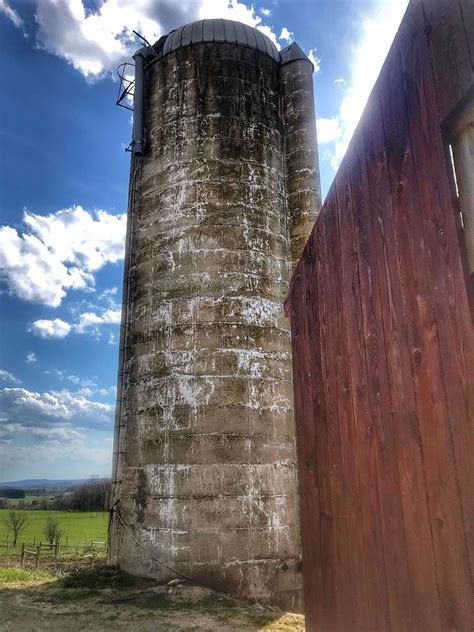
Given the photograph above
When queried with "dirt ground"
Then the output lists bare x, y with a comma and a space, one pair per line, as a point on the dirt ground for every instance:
104, 599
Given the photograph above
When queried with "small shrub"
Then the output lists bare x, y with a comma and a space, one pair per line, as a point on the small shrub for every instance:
103, 577
52, 530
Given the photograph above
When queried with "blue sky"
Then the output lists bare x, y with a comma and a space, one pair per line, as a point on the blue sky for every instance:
63, 194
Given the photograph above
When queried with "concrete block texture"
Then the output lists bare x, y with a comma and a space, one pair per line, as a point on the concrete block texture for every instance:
206, 483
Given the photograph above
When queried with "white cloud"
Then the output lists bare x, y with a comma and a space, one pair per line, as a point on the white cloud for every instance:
105, 392
286, 35
340, 80
108, 295
266, 12
87, 322
10, 13
52, 409
59, 252
376, 32
56, 431
96, 40
6, 376
73, 379
75, 457
30, 357
328, 129
314, 59
234, 10
55, 328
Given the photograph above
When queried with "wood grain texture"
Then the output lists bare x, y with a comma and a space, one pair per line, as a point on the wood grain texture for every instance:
451, 57
453, 574
467, 15
383, 352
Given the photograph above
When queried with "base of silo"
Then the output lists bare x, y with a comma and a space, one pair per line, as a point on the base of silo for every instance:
265, 581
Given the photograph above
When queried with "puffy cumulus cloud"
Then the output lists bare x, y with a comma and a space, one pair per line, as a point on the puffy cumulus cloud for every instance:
6, 376
59, 252
86, 323
329, 129
95, 40
376, 32
53, 409
286, 35
57, 430
239, 11
106, 392
55, 328
314, 59
10, 13
89, 320
30, 358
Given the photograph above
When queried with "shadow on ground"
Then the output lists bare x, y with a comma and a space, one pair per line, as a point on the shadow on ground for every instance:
106, 597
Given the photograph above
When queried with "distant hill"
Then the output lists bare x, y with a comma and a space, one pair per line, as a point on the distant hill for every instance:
43, 483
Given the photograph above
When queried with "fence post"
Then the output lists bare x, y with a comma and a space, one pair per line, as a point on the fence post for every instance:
22, 554
37, 556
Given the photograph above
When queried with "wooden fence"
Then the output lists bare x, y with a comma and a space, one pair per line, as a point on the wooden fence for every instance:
32, 552
383, 355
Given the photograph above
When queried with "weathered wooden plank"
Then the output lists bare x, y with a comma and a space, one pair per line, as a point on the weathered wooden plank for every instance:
424, 606
453, 572
449, 295
467, 16
398, 585
360, 438
343, 291
315, 392
309, 410
452, 64
330, 333
331, 617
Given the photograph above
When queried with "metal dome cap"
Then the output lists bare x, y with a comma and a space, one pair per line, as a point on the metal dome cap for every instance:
219, 30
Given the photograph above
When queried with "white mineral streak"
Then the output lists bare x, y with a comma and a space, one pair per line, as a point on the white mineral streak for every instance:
194, 392
261, 311
249, 362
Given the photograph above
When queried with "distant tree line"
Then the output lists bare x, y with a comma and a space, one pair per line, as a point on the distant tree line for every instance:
11, 492
92, 495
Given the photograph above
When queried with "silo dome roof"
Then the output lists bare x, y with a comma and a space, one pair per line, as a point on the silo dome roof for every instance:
219, 30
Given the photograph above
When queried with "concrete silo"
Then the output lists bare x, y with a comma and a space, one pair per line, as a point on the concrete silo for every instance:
224, 190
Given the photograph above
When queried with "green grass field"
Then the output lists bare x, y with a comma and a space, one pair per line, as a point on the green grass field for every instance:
29, 499
79, 528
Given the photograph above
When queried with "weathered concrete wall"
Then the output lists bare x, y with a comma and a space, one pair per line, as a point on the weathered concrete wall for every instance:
303, 187
208, 473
